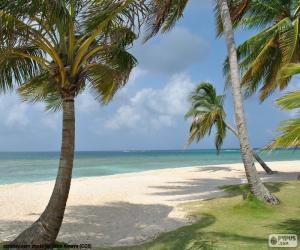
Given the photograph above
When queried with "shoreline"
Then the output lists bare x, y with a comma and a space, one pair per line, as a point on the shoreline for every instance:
258, 167
127, 208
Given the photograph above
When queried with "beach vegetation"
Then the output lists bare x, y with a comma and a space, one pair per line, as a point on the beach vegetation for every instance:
163, 16
274, 46
52, 51
233, 222
207, 112
269, 59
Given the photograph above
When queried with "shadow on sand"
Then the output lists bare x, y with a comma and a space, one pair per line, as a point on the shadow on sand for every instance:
114, 224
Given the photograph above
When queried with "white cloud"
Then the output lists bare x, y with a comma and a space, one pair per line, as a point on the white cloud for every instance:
86, 103
13, 113
51, 121
17, 115
154, 108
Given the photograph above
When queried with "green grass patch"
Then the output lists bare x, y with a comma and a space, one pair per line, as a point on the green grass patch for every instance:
233, 222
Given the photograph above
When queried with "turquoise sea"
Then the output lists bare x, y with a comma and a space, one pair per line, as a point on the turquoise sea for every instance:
32, 167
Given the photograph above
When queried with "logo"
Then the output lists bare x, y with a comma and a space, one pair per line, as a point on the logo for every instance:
283, 240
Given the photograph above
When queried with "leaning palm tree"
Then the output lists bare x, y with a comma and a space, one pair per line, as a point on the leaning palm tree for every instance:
256, 185
54, 50
262, 56
163, 17
207, 111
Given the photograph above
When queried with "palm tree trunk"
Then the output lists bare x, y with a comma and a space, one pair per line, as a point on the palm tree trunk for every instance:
255, 183
46, 228
255, 155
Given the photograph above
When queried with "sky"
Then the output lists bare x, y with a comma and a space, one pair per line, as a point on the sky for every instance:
149, 112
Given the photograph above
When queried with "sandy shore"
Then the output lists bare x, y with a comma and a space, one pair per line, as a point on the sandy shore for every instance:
124, 209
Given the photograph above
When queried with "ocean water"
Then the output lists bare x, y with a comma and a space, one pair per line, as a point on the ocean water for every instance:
33, 167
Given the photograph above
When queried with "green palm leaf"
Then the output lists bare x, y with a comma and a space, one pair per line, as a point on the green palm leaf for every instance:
263, 56
206, 112
289, 129
163, 15
290, 101
53, 49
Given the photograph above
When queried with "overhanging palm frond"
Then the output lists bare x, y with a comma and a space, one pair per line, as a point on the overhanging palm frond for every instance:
290, 138
130, 13
263, 56
289, 129
18, 64
257, 13
290, 101
220, 134
289, 70
54, 49
107, 78
163, 15
238, 8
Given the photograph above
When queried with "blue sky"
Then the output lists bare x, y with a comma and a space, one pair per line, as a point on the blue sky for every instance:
148, 113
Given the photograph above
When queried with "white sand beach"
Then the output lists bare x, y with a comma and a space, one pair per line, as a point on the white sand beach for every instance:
125, 209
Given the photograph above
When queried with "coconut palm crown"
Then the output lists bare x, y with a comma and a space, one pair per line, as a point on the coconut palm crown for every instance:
207, 111
56, 49
276, 45
163, 16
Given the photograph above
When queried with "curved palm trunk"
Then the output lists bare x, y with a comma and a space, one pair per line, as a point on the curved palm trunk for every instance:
46, 228
255, 183
255, 155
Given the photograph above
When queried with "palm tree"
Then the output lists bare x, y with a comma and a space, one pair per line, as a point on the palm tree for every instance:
54, 50
276, 45
207, 111
256, 185
163, 16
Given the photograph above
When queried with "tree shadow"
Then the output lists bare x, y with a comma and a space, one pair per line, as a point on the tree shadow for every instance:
113, 224
213, 169
210, 188
291, 226
244, 189
194, 189
279, 176
196, 236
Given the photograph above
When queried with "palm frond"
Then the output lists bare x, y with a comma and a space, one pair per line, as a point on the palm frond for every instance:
290, 101
290, 138
289, 129
18, 64
220, 134
206, 111
105, 79
53, 49
264, 58
163, 15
